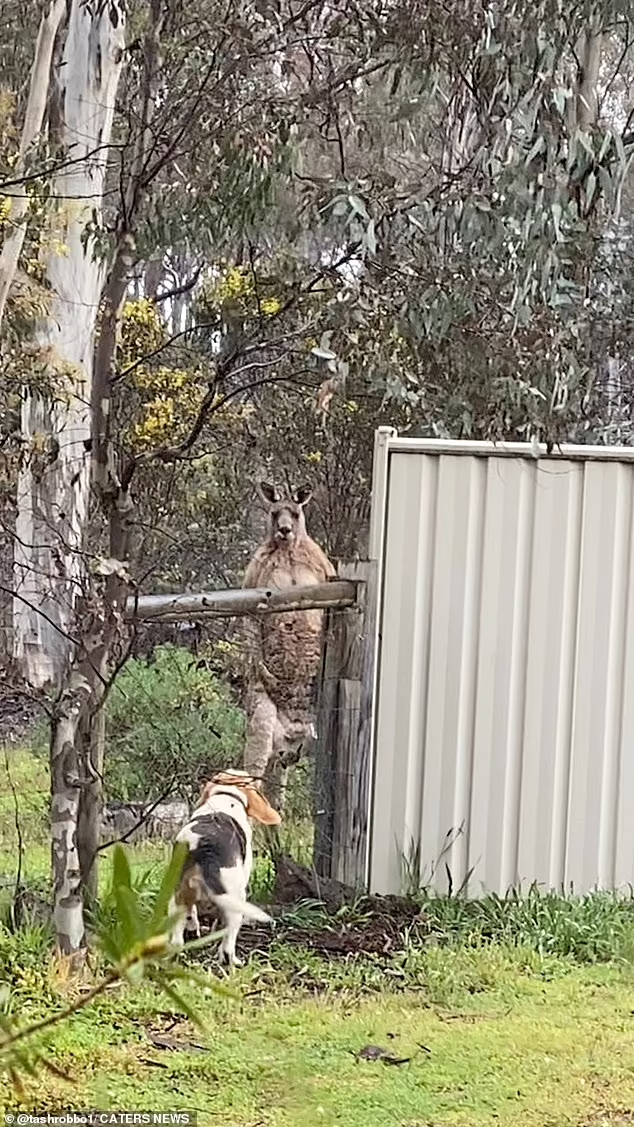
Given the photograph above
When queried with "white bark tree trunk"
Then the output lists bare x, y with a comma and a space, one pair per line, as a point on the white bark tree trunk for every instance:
33, 118
589, 51
53, 486
54, 481
110, 481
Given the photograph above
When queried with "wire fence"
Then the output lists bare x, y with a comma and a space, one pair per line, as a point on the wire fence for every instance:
174, 716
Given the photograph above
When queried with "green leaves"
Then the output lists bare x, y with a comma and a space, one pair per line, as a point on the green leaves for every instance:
21, 1059
175, 718
140, 929
137, 947
161, 917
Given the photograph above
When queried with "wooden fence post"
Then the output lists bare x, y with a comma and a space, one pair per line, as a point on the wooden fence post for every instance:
344, 727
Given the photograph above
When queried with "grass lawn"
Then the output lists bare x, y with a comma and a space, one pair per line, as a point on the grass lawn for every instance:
502, 1013
492, 1036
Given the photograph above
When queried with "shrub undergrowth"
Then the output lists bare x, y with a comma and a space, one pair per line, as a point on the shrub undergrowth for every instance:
169, 721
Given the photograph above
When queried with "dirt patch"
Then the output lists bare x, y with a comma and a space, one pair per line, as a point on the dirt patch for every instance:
367, 930
342, 923
19, 711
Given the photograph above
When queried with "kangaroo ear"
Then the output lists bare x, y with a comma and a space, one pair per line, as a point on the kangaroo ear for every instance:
302, 495
267, 493
259, 809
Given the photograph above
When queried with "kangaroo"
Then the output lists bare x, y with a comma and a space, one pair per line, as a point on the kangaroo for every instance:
284, 650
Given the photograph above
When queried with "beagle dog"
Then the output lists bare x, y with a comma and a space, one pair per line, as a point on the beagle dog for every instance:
218, 866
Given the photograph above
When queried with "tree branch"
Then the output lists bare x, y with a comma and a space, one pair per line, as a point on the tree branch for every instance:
178, 291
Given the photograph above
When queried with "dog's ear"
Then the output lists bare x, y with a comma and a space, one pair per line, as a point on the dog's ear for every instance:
259, 809
206, 792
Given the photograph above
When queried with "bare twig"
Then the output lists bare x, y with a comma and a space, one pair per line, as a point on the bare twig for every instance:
146, 814
15, 923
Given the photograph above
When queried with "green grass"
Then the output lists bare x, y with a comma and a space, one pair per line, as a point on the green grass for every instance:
513, 1011
591, 928
24, 779
495, 1036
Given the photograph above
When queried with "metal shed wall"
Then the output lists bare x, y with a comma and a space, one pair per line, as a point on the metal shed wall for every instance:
504, 717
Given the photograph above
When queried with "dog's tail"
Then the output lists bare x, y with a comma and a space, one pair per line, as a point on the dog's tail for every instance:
228, 903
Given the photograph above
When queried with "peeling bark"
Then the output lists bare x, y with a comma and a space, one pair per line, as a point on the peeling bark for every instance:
89, 815
68, 916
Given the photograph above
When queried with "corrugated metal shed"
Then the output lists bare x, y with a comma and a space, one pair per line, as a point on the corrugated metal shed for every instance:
504, 721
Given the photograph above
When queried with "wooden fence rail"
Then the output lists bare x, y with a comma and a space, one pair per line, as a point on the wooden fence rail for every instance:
232, 603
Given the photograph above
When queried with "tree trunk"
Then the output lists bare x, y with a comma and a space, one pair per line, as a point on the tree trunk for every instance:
53, 485
152, 278
589, 55
110, 483
52, 649
109, 638
93, 738
68, 916
73, 744
38, 92
115, 503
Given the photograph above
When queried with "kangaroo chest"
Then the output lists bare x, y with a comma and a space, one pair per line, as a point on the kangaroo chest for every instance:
287, 573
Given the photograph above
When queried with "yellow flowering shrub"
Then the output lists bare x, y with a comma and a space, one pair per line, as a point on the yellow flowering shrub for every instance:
168, 399
5, 212
142, 330
270, 306
236, 287
236, 283
174, 396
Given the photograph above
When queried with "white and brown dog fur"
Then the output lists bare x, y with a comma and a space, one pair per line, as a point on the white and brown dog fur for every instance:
218, 866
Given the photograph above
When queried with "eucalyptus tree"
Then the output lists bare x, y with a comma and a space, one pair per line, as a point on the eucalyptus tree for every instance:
340, 210
192, 141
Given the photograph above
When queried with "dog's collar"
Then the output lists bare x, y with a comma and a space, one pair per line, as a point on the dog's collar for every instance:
234, 792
